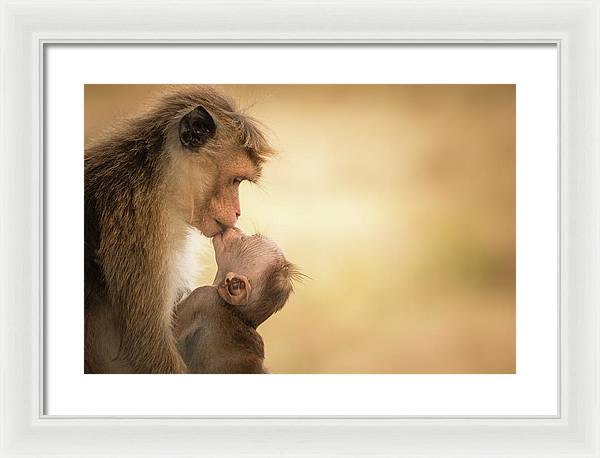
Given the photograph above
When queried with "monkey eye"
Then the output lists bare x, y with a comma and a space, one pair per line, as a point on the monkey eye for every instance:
238, 180
236, 287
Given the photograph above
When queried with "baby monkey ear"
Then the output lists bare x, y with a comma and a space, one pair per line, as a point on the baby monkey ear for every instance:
196, 127
235, 289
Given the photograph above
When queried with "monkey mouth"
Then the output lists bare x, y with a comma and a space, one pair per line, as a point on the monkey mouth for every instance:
222, 227
212, 231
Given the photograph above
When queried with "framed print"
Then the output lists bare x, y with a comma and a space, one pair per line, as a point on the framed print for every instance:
347, 228
395, 356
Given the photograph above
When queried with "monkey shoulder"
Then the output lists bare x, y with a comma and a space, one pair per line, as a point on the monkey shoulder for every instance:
240, 346
194, 309
247, 355
248, 340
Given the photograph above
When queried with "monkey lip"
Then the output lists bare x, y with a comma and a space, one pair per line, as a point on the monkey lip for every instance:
214, 228
222, 227
225, 237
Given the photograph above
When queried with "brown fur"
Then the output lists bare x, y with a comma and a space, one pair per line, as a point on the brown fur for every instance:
141, 187
217, 340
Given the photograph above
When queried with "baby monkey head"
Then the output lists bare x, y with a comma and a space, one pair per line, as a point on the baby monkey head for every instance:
253, 274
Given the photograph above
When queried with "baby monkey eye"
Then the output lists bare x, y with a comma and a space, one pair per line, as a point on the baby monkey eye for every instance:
235, 287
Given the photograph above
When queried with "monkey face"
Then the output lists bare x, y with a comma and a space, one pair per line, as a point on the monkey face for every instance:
251, 256
222, 210
218, 163
252, 274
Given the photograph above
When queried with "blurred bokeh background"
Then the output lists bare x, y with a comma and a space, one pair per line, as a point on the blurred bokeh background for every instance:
398, 201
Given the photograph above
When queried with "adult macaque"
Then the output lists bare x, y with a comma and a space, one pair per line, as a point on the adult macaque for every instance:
216, 325
151, 183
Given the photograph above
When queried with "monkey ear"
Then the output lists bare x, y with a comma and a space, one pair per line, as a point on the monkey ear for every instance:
196, 127
235, 289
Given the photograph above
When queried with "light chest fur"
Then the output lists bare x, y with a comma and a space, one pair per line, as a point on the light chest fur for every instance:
187, 267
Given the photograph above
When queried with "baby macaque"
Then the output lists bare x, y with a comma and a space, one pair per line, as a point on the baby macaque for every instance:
216, 325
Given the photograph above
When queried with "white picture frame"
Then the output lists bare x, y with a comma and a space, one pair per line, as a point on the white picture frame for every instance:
27, 27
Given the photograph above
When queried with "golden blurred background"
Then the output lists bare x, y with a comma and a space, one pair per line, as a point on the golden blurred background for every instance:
398, 201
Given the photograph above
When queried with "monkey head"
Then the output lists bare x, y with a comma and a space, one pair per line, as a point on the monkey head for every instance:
215, 148
253, 274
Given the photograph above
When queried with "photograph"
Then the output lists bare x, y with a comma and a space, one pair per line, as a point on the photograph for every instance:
299, 229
